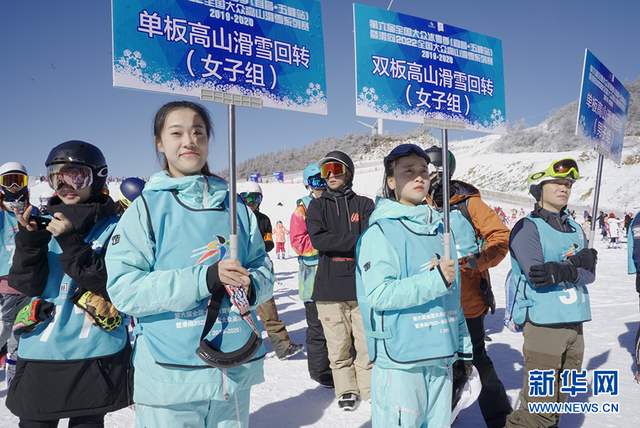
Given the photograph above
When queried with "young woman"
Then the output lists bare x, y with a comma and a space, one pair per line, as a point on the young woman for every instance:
74, 343
410, 300
167, 263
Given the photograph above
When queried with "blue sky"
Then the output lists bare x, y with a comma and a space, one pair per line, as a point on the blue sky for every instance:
56, 75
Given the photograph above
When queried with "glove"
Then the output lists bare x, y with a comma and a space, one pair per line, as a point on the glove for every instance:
585, 258
213, 279
487, 294
461, 370
552, 273
32, 315
98, 309
638, 283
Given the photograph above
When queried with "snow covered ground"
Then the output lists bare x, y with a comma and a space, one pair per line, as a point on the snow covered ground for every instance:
289, 399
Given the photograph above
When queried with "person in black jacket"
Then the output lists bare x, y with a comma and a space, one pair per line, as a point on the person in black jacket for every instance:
335, 222
74, 353
251, 194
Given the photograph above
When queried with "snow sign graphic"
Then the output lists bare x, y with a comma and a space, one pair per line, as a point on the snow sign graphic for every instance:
274, 51
604, 104
409, 68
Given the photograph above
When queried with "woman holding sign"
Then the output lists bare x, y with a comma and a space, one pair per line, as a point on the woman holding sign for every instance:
169, 266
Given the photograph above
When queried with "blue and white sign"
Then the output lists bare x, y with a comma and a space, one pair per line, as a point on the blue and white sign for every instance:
260, 48
603, 108
409, 68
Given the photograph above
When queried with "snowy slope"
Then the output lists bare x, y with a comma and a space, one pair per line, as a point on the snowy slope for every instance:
289, 399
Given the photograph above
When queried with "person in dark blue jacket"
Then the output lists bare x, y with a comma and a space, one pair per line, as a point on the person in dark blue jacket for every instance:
551, 265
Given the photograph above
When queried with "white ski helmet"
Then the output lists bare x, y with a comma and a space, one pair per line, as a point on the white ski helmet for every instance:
249, 187
542, 172
13, 167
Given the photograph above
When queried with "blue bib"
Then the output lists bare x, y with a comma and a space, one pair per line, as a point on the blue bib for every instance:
562, 303
9, 225
69, 334
173, 337
465, 234
420, 333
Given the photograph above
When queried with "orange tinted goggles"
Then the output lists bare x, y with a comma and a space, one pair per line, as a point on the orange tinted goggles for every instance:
335, 168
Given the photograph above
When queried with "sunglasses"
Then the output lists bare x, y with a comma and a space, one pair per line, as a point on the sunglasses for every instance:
317, 182
559, 169
405, 150
73, 175
251, 198
335, 168
14, 181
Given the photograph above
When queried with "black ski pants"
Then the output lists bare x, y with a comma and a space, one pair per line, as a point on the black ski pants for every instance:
493, 400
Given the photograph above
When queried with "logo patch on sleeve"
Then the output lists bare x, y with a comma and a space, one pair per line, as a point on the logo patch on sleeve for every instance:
115, 239
367, 266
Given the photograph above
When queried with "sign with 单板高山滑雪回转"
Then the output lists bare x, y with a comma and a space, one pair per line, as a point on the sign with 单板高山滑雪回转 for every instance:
273, 51
602, 109
409, 69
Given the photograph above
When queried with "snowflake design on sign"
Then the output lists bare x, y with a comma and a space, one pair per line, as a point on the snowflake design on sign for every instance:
132, 60
368, 95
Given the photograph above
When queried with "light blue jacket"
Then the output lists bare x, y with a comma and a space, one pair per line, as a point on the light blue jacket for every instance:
136, 288
383, 287
8, 230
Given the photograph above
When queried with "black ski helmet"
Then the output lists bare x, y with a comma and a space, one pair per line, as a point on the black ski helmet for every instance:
435, 154
338, 156
82, 153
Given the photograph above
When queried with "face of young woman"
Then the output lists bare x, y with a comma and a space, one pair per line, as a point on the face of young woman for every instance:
555, 194
184, 142
411, 180
70, 196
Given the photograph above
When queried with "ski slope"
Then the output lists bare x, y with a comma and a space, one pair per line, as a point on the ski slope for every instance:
289, 399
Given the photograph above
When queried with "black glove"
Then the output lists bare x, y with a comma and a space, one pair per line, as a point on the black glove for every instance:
462, 369
585, 258
552, 273
487, 294
638, 283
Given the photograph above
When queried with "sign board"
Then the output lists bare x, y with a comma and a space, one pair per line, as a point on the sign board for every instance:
603, 108
259, 48
279, 176
255, 177
409, 68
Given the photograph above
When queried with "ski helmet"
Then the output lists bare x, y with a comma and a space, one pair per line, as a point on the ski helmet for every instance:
129, 190
542, 172
249, 187
308, 172
80, 152
14, 181
338, 156
435, 154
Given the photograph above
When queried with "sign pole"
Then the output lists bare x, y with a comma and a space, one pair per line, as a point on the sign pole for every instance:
596, 200
445, 125
445, 193
232, 100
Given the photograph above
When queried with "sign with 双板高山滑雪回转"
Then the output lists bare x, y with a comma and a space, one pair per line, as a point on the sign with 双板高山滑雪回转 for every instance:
259, 48
603, 108
409, 69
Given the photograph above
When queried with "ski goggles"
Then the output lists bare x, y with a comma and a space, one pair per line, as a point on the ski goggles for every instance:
70, 174
335, 168
405, 150
14, 180
559, 169
251, 198
317, 182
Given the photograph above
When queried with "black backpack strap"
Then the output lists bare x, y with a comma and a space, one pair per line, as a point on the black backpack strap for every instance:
146, 207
